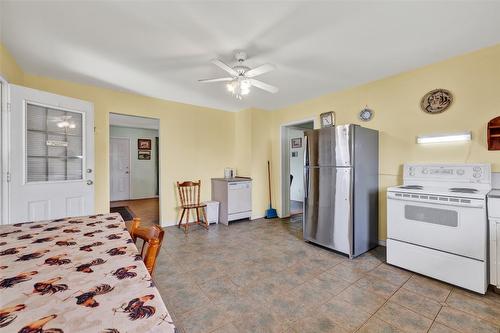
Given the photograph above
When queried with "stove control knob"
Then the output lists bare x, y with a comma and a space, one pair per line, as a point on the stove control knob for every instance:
412, 173
425, 171
460, 172
477, 169
477, 174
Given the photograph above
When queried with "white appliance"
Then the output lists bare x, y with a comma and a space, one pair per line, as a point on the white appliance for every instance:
235, 197
494, 218
437, 223
229, 173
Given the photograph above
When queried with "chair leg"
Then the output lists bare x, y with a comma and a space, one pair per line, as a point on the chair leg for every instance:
204, 211
186, 226
197, 215
182, 215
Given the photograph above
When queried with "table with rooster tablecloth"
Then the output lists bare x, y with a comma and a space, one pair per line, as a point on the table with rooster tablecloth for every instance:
79, 274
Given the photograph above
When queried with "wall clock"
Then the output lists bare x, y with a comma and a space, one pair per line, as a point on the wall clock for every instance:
436, 101
327, 119
366, 114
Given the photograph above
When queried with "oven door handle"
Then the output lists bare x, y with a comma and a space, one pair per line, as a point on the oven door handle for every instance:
439, 203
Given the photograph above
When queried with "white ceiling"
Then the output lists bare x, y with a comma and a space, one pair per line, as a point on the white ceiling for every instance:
161, 49
133, 121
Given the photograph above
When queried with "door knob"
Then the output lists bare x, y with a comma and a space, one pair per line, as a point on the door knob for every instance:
89, 182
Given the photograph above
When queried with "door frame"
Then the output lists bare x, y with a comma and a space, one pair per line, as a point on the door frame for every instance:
285, 163
4, 149
160, 163
129, 166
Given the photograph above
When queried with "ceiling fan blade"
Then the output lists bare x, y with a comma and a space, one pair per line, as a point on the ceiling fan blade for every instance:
263, 86
225, 67
222, 79
260, 70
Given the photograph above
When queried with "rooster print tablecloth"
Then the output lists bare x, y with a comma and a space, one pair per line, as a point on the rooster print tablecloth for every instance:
80, 274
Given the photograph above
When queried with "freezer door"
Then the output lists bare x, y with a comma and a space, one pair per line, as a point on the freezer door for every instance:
330, 146
328, 207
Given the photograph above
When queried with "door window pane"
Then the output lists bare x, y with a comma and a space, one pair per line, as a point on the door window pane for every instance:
54, 144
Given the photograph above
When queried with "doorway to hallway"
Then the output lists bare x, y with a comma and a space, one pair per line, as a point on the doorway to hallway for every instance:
292, 162
134, 166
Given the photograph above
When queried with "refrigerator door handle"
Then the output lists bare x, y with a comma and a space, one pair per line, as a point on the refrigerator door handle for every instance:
306, 151
306, 183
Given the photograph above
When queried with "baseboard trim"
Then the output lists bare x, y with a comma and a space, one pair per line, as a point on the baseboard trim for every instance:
381, 242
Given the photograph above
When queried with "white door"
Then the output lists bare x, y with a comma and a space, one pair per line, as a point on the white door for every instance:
51, 156
119, 168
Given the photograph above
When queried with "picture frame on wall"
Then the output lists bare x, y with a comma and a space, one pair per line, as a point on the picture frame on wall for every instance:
327, 119
296, 143
144, 155
144, 144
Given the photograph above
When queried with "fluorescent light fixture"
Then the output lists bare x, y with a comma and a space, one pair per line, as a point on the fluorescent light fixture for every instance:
449, 137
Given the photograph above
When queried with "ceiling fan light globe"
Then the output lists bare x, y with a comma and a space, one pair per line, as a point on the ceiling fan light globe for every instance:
245, 84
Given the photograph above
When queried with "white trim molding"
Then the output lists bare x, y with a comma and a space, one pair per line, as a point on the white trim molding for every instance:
284, 208
4, 152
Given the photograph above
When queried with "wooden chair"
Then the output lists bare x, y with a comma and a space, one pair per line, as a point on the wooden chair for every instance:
152, 239
189, 194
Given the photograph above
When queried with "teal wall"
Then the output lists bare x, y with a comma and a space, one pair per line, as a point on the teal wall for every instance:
143, 183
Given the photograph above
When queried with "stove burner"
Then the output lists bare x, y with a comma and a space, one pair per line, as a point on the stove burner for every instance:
412, 187
463, 190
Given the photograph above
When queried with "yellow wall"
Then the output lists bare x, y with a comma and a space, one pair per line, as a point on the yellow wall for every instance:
9, 69
474, 79
199, 142
252, 151
195, 142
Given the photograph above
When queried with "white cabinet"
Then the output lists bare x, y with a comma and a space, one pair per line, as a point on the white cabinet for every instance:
235, 197
494, 220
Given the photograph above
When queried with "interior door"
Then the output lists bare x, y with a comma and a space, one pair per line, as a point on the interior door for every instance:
51, 156
119, 168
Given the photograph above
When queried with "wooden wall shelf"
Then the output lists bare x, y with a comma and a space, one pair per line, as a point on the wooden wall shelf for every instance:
494, 134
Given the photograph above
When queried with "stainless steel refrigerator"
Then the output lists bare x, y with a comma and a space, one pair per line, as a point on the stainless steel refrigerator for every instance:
341, 188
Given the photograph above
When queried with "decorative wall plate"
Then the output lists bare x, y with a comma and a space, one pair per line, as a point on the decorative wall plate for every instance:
366, 114
436, 101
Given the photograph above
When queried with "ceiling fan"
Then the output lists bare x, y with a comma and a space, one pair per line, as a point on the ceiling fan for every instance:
242, 77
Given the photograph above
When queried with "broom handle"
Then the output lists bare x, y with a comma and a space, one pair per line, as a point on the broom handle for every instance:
269, 181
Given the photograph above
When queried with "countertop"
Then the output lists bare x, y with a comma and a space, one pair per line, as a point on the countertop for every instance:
235, 179
495, 193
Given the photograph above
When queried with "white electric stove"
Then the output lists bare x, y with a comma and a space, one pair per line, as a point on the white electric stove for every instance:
437, 223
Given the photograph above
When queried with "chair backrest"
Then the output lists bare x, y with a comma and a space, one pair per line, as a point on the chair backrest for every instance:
189, 192
152, 239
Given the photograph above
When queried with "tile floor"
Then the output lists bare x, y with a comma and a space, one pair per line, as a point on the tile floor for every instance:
260, 276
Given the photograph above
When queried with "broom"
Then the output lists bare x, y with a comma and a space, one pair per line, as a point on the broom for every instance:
271, 212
